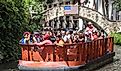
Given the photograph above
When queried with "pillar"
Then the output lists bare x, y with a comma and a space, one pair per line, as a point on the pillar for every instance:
71, 22
100, 7
80, 24
64, 22
58, 23
119, 15
114, 14
109, 9
96, 4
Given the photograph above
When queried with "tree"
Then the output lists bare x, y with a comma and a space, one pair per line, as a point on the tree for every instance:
14, 20
34, 8
117, 4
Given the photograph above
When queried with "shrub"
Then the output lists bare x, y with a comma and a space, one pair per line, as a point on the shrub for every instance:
117, 38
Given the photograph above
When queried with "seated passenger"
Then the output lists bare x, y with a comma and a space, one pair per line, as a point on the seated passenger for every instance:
59, 41
102, 34
81, 37
38, 37
52, 37
46, 40
76, 39
87, 37
94, 35
27, 38
90, 27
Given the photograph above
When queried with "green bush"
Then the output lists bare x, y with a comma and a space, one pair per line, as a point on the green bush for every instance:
14, 20
117, 38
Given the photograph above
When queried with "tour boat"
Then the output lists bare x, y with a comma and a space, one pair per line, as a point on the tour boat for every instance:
69, 57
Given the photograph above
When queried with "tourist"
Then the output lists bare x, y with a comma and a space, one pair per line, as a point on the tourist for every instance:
52, 37
94, 35
89, 27
81, 37
27, 38
38, 37
46, 40
87, 37
102, 34
59, 41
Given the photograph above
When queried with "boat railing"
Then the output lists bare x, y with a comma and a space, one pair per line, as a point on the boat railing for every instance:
82, 52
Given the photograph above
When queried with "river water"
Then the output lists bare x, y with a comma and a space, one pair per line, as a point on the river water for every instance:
114, 66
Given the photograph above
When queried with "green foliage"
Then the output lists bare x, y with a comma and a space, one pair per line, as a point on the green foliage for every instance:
117, 4
34, 8
12, 24
14, 20
117, 38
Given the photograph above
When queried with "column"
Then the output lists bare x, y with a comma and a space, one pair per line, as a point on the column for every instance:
109, 9
77, 24
119, 15
64, 22
104, 5
47, 24
100, 7
71, 22
114, 14
58, 23
96, 4
52, 23
80, 24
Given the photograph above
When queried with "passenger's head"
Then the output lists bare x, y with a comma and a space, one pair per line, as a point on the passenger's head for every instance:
46, 36
90, 25
51, 33
95, 32
102, 31
26, 34
63, 32
36, 34
86, 33
67, 33
58, 37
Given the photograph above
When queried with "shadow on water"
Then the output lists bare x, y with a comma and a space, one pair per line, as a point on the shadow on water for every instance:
114, 60
9, 66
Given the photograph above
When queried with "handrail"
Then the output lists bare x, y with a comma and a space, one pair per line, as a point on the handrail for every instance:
82, 52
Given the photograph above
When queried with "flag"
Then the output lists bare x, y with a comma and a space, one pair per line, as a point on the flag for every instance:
70, 9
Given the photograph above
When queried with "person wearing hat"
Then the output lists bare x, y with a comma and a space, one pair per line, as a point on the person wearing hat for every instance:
27, 38
89, 27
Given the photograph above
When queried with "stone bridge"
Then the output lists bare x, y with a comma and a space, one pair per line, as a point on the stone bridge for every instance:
100, 21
